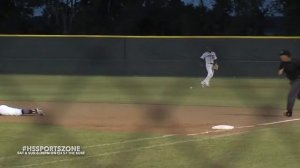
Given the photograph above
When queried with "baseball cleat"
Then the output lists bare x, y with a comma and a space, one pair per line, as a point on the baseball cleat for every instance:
39, 112
288, 114
204, 84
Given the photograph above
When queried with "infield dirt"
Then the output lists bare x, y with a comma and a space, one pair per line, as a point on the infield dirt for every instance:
166, 119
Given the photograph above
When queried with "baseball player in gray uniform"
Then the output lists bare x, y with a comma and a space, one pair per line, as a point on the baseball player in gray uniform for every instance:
210, 58
12, 111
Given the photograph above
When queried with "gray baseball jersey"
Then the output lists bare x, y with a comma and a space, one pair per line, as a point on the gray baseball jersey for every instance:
209, 57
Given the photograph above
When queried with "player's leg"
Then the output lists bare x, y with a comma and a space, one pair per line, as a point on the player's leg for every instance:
293, 94
35, 111
298, 96
11, 111
210, 74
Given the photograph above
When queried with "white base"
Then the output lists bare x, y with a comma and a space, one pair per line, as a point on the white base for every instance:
223, 127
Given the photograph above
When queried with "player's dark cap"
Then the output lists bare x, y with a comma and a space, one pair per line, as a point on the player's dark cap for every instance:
285, 52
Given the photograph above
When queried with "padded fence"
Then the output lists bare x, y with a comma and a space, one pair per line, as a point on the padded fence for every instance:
155, 56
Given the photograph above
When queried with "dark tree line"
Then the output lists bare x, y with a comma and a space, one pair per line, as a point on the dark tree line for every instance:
150, 17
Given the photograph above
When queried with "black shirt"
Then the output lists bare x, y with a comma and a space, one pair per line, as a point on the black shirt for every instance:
291, 69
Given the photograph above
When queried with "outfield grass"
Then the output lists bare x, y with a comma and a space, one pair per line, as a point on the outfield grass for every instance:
242, 92
274, 147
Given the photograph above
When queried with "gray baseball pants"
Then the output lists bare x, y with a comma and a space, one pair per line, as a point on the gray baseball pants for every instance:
293, 94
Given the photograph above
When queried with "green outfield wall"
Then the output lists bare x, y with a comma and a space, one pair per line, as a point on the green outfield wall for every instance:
134, 55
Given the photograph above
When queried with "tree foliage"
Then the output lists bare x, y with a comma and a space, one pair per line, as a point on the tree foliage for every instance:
291, 10
148, 17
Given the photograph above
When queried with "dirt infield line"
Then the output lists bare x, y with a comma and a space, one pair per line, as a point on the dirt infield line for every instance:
202, 133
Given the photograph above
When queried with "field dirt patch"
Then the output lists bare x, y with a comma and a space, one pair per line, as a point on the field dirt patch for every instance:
166, 119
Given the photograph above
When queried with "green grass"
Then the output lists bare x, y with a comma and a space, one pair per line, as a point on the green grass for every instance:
274, 147
242, 92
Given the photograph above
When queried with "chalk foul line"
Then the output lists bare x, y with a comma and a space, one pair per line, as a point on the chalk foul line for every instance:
158, 145
130, 150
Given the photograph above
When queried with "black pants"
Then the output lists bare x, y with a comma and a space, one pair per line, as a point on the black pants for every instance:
293, 94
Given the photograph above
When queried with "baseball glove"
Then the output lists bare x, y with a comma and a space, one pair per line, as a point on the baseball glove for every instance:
216, 67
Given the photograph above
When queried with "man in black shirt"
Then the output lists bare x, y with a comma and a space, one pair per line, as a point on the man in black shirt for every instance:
291, 67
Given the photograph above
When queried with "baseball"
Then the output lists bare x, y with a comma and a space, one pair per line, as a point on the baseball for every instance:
191, 87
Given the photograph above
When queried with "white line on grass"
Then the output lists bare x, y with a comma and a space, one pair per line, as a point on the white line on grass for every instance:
129, 141
278, 122
131, 150
193, 134
158, 145
270, 123
206, 132
248, 126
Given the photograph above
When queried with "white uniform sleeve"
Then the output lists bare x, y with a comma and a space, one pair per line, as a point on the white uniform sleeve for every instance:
203, 56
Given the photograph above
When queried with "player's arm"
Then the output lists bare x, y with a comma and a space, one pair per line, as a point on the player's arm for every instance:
215, 59
203, 56
280, 69
216, 65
